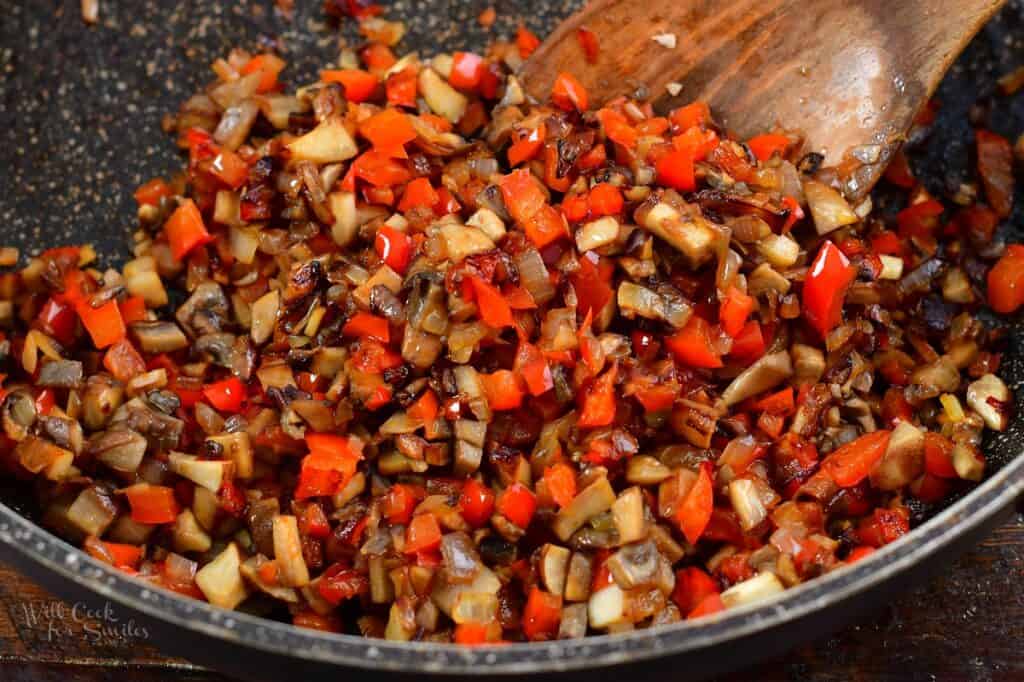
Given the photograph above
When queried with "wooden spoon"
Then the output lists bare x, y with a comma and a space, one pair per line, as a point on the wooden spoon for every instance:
850, 75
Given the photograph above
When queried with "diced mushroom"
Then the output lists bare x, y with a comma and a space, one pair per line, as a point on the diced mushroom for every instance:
574, 622
765, 374
597, 233
221, 580
577, 582
462, 241
761, 586
646, 470
92, 512
159, 337
445, 591
808, 363
329, 142
264, 317
443, 99
251, 572
61, 374
606, 607
747, 503
188, 535
828, 207
488, 222
634, 565
460, 559
691, 235
990, 398
967, 462
206, 473
903, 460
120, 449
292, 569
554, 567
628, 514
596, 498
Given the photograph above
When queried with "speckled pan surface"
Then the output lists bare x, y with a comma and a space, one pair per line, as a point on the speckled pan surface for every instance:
80, 112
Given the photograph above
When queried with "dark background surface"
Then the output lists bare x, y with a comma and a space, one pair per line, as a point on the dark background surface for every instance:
80, 111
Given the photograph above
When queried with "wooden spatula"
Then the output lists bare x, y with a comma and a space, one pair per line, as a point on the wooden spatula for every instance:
849, 74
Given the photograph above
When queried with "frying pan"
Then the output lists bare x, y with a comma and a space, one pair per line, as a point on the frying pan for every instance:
80, 128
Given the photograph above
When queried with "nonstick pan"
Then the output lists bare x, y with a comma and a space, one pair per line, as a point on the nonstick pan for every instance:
80, 127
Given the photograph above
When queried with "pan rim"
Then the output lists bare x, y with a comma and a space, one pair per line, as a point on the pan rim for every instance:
51, 553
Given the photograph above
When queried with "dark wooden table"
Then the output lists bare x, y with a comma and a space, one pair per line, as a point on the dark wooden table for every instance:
967, 624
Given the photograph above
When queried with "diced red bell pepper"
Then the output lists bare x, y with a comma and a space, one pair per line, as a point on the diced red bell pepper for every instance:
526, 41
676, 170
541, 615
104, 324
605, 199
378, 57
123, 555
694, 114
658, 398
525, 145
331, 462
230, 169
522, 195
359, 85
575, 207
399, 503
133, 309
340, 583
269, 66
694, 513
568, 93
589, 43
938, 455
533, 367
45, 402
388, 131
476, 503
227, 395
599, 404
471, 634
362, 325
502, 390
467, 70
882, 527
828, 280
401, 88
851, 463
57, 318
781, 402
380, 169
766, 146
418, 194
494, 310
123, 361
617, 128
749, 344
561, 482
692, 587
1006, 281
423, 534
150, 193
995, 166
696, 142
796, 213
185, 230
517, 504
711, 604
152, 504
590, 282
919, 219
425, 409
693, 346
898, 171
734, 310
545, 226
314, 522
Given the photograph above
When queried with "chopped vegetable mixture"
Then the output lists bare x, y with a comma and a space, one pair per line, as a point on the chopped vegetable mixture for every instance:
402, 353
